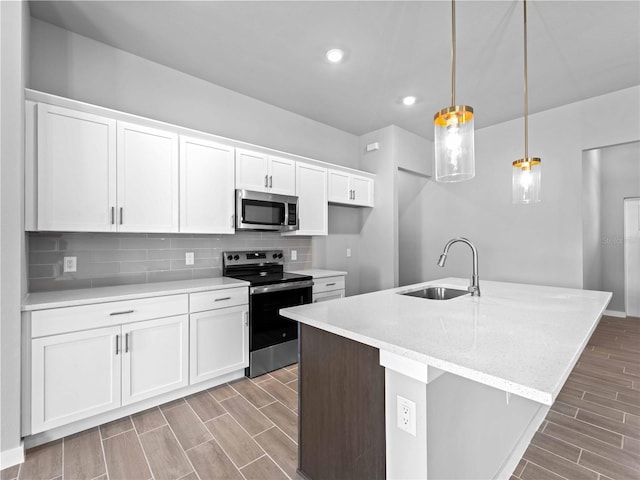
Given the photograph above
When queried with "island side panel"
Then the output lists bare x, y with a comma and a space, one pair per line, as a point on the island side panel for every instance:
342, 409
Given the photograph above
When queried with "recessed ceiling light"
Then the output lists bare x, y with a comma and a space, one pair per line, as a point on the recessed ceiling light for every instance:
409, 100
335, 55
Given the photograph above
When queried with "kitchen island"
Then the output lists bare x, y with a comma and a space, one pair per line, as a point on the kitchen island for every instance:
479, 375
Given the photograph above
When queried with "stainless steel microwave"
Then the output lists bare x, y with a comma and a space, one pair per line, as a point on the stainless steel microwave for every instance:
266, 211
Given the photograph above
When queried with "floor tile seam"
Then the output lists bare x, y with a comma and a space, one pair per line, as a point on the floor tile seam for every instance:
611, 384
570, 442
180, 444
564, 441
546, 469
151, 429
265, 391
606, 372
560, 457
254, 406
523, 466
285, 434
229, 456
245, 431
607, 406
144, 453
249, 401
177, 442
62, 459
198, 417
268, 404
208, 390
119, 433
623, 465
273, 459
582, 409
218, 402
605, 428
104, 454
590, 436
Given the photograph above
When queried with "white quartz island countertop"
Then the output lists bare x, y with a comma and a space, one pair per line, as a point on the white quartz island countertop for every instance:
523, 339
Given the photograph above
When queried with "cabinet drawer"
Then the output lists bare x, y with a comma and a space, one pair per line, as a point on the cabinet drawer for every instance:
70, 319
327, 284
228, 297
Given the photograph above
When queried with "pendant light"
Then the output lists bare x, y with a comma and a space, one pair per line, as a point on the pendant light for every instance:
525, 185
453, 130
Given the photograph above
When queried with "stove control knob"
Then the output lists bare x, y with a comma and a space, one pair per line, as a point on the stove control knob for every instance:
279, 255
275, 255
236, 257
229, 257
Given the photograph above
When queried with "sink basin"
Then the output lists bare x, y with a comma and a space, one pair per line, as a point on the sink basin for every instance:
436, 293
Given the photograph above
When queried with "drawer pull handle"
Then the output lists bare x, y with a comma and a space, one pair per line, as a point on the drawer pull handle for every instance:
121, 313
331, 284
221, 299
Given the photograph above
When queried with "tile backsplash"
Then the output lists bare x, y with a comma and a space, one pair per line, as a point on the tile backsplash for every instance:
105, 259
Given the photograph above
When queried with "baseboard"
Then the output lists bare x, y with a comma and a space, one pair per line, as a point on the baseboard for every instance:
9, 458
615, 313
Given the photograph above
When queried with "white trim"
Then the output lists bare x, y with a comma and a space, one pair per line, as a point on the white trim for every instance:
615, 313
9, 458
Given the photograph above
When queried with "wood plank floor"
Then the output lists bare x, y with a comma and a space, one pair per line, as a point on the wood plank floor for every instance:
248, 429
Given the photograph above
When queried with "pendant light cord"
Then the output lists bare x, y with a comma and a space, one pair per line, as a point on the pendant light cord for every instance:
526, 94
453, 52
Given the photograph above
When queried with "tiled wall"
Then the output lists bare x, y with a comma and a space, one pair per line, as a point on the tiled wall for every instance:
105, 259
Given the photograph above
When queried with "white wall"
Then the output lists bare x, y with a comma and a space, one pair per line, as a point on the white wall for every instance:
378, 254
620, 176
73, 66
591, 223
14, 31
539, 243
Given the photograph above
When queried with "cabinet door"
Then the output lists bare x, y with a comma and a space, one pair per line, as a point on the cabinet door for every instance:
74, 376
252, 172
76, 170
147, 179
155, 357
362, 191
282, 176
207, 201
339, 187
219, 342
313, 207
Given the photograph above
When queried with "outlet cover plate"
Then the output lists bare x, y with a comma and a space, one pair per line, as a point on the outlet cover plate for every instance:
189, 258
406, 415
69, 264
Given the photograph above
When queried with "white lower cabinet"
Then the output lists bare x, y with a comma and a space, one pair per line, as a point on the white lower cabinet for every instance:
155, 357
90, 359
326, 296
74, 376
328, 288
219, 342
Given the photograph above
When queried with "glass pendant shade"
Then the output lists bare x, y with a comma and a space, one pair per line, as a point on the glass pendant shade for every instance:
454, 144
525, 184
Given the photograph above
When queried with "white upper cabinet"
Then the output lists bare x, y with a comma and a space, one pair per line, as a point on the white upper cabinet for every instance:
265, 173
311, 189
147, 179
207, 201
76, 170
350, 189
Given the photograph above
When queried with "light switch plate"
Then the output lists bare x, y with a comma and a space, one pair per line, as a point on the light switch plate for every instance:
294, 254
189, 258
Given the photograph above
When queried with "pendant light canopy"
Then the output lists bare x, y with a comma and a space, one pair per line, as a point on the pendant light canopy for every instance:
453, 130
527, 171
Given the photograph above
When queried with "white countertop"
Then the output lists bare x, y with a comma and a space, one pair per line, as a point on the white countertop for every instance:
319, 273
85, 296
523, 339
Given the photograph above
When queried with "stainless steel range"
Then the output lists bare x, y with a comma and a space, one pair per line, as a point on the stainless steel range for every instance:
273, 339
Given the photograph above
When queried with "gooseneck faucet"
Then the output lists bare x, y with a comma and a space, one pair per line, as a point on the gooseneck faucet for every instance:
474, 288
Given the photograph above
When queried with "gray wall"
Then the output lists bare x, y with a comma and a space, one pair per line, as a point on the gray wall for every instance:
620, 178
534, 244
73, 66
14, 35
591, 220
120, 258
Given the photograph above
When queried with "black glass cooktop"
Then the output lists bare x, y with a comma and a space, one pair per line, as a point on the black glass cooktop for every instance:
270, 278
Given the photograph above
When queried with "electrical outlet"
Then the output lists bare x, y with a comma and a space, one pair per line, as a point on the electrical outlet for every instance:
406, 415
294, 255
69, 264
348, 252
189, 258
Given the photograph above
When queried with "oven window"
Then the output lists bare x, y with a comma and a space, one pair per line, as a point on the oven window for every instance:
260, 212
267, 326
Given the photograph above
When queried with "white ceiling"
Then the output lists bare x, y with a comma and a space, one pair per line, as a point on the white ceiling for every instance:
274, 52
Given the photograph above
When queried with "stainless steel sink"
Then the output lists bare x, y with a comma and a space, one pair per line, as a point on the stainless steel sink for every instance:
436, 293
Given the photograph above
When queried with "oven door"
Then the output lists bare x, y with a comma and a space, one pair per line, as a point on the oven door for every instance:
267, 327
273, 339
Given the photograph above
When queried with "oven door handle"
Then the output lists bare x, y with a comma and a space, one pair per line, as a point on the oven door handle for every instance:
279, 287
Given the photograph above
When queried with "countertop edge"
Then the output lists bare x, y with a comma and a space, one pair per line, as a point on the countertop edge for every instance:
33, 301
319, 272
